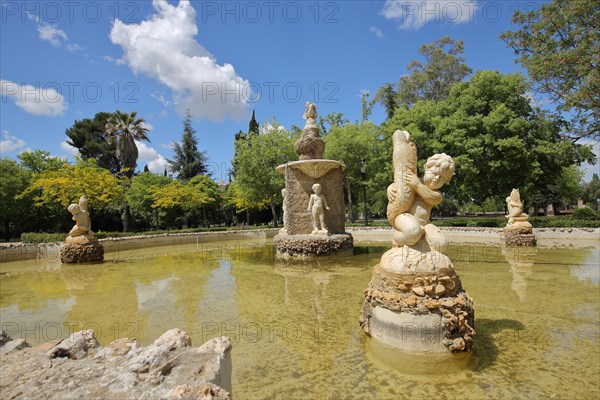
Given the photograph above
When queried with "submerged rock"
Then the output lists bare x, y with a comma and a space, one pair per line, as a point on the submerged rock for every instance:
78, 367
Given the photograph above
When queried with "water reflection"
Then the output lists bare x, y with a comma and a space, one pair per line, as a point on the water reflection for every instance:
521, 260
294, 325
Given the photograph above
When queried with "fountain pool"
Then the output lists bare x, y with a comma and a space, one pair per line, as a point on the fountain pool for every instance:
294, 325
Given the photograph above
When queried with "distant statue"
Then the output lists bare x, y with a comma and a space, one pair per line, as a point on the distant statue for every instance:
82, 230
515, 208
318, 205
411, 199
311, 111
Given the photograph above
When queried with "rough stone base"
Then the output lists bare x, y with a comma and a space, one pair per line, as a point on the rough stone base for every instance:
79, 368
72, 253
415, 302
312, 245
519, 236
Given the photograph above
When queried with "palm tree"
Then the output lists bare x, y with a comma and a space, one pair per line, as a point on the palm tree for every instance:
124, 129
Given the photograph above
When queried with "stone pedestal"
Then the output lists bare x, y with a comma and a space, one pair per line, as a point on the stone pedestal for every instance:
296, 239
519, 234
81, 249
415, 302
312, 245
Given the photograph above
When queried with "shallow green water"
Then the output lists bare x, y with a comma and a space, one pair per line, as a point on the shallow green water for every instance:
295, 326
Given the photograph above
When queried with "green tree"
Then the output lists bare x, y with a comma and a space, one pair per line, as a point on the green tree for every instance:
355, 145
444, 66
591, 191
47, 216
332, 120
123, 129
140, 198
253, 126
69, 182
388, 98
497, 140
256, 159
188, 161
559, 45
13, 211
89, 137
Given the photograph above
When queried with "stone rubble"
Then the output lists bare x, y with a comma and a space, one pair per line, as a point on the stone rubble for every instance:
79, 368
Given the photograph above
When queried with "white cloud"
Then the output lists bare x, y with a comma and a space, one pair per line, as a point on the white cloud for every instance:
52, 34
268, 127
9, 142
147, 125
414, 14
161, 98
55, 36
377, 32
148, 155
73, 151
163, 47
36, 100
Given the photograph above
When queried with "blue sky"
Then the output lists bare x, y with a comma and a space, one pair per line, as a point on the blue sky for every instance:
65, 61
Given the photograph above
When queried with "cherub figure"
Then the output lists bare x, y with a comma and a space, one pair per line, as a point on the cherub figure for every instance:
310, 112
318, 205
81, 216
515, 208
411, 200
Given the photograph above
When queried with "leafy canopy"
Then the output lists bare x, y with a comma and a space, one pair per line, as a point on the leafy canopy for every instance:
559, 44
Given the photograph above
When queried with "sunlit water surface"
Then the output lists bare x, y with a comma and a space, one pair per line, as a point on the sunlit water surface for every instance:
295, 326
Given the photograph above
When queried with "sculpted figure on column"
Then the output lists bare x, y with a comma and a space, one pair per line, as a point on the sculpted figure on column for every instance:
317, 205
411, 199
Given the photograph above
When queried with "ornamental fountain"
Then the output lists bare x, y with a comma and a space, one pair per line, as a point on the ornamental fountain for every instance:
313, 206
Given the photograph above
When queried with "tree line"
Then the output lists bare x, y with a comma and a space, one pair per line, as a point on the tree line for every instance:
499, 137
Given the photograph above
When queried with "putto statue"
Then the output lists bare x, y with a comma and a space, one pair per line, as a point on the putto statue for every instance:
515, 208
415, 283
82, 231
81, 246
317, 205
518, 230
411, 199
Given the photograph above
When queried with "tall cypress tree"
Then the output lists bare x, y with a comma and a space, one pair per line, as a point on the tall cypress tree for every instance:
188, 161
253, 125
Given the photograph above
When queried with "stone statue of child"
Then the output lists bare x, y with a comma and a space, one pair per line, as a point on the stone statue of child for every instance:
318, 205
414, 223
81, 216
515, 208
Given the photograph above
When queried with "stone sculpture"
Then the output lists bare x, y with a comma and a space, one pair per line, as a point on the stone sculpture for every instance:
518, 230
81, 245
319, 228
415, 284
82, 231
515, 209
310, 146
317, 206
411, 199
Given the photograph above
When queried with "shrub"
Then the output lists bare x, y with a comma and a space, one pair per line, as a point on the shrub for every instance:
585, 213
34, 237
